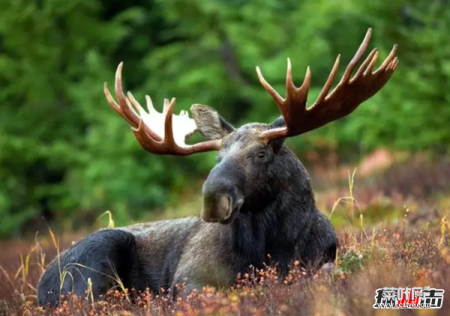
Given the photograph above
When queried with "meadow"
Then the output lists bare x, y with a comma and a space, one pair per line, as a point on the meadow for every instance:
388, 238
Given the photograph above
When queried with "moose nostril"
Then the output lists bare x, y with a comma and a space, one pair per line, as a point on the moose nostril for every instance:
216, 207
225, 203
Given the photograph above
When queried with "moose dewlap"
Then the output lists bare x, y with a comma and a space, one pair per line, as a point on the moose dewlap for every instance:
257, 200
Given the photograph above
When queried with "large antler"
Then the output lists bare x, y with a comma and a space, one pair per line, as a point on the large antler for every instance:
343, 100
155, 131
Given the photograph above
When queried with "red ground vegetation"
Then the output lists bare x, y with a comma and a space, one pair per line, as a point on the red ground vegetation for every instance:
388, 257
409, 253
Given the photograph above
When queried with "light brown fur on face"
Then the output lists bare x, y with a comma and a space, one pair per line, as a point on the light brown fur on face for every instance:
243, 141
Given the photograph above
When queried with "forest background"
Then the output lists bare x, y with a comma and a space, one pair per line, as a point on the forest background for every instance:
66, 157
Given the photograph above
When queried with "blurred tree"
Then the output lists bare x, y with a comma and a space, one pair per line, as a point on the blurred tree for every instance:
62, 149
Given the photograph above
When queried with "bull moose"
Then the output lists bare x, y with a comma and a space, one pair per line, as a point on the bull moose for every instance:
257, 200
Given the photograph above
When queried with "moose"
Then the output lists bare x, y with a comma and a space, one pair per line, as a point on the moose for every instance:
257, 200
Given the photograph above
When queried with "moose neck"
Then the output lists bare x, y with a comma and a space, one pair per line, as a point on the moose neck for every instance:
273, 222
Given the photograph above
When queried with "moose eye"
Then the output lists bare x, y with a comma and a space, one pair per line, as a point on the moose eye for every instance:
261, 154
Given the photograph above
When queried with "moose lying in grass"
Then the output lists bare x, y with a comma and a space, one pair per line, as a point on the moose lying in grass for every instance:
257, 200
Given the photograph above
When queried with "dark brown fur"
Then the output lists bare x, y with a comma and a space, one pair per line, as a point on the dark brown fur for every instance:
258, 200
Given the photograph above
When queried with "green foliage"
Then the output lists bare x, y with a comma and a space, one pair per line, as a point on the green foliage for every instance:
63, 151
351, 262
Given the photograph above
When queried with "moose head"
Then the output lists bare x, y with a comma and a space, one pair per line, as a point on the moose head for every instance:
251, 158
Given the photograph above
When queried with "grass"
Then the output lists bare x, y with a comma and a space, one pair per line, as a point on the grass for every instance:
385, 251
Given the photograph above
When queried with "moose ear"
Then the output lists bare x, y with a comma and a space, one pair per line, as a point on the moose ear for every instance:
279, 122
209, 122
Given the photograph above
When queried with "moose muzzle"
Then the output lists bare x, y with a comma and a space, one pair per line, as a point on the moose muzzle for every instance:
222, 199
221, 208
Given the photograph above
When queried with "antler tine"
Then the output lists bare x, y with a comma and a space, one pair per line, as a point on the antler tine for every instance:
278, 99
166, 140
132, 102
366, 62
357, 58
127, 112
329, 83
391, 57
150, 106
167, 104
343, 99
168, 121
296, 98
292, 91
111, 101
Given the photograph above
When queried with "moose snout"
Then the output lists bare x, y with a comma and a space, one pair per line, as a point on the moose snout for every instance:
221, 207
222, 197
216, 208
